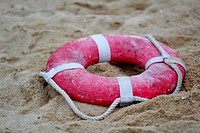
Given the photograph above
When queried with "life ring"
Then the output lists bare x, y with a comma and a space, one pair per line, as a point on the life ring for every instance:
66, 66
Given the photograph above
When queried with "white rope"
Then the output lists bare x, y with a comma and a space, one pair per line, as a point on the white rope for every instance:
76, 110
169, 61
80, 113
158, 46
73, 106
139, 99
179, 74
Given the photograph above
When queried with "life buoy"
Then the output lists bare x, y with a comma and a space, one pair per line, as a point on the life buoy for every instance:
66, 66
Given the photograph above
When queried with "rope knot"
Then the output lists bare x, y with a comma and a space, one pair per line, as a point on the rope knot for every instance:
173, 59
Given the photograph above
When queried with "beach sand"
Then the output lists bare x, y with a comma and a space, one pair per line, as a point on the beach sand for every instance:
31, 30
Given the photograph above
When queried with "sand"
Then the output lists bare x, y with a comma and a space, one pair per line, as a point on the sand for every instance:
31, 30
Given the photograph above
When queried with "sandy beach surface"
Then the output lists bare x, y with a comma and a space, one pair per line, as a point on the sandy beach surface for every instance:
30, 30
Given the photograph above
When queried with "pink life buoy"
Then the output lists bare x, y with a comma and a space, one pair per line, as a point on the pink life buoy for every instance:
66, 66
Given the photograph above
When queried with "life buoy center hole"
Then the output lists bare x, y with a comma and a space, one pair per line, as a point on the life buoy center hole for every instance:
115, 69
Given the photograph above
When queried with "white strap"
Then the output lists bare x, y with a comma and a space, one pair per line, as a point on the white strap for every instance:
153, 60
126, 91
57, 69
103, 47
